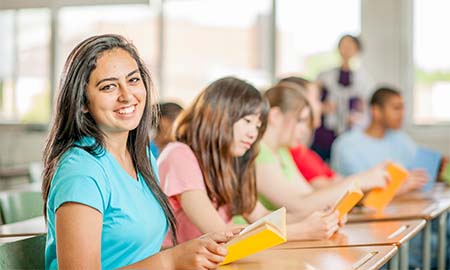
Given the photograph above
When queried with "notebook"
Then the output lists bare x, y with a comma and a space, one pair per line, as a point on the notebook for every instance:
379, 198
265, 233
348, 199
430, 161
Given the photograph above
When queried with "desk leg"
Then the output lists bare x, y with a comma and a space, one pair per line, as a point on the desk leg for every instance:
426, 251
393, 263
442, 251
404, 256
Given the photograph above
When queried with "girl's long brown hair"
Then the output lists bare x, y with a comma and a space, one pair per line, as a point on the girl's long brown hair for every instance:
207, 127
71, 124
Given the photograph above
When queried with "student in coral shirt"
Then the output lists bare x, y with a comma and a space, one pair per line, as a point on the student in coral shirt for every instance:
313, 168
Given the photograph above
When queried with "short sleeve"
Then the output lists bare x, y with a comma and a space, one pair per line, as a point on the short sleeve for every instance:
80, 189
265, 156
179, 170
79, 180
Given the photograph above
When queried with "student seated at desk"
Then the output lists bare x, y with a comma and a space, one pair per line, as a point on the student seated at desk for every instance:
104, 206
209, 172
358, 150
279, 181
315, 170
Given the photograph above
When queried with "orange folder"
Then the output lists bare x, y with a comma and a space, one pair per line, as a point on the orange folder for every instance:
348, 200
379, 198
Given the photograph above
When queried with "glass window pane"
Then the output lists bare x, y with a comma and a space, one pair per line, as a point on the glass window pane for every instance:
308, 32
138, 23
208, 39
24, 75
431, 59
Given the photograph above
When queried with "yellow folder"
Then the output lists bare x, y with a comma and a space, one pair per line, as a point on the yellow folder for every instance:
379, 198
348, 200
265, 233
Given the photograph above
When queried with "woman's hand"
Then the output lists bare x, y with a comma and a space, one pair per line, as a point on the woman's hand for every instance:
416, 180
206, 252
319, 225
343, 220
376, 177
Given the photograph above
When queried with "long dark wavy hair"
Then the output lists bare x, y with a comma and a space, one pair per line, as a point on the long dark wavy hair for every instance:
207, 127
71, 124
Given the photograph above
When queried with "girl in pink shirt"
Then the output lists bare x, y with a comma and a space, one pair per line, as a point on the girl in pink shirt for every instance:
209, 172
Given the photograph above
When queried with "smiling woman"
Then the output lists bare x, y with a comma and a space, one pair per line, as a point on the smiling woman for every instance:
98, 171
116, 93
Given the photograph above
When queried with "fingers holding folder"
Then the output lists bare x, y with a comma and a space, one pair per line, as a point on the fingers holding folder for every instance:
376, 177
319, 225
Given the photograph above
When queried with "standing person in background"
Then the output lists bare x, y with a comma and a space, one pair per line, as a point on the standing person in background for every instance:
163, 133
345, 90
103, 203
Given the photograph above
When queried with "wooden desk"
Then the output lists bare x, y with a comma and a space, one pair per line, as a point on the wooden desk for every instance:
439, 191
27, 227
402, 210
365, 234
360, 258
414, 209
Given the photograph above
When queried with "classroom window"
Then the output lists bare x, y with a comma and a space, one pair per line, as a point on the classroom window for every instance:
431, 62
308, 32
138, 23
208, 39
25, 65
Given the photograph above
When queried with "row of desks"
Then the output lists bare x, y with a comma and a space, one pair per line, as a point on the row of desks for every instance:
368, 241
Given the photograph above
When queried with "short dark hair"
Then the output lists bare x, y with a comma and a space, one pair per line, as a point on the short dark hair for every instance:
382, 94
354, 38
169, 110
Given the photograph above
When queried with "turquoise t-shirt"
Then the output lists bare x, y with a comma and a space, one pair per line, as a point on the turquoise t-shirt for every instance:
134, 224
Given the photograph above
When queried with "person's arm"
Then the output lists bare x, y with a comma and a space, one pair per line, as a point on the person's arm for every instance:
208, 219
416, 180
78, 244
320, 182
206, 252
317, 226
300, 201
273, 185
78, 241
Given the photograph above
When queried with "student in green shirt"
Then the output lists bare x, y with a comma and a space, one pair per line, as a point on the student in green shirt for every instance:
279, 182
